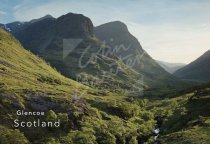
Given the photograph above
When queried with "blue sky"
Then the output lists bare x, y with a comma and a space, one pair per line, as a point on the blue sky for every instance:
169, 30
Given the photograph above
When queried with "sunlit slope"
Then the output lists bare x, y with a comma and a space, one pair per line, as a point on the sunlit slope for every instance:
20, 69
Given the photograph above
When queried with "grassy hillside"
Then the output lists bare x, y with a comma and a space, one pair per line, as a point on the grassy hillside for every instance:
21, 69
184, 119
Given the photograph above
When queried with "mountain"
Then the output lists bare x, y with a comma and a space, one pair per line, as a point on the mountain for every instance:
197, 70
86, 62
16, 26
126, 46
170, 67
74, 47
42, 18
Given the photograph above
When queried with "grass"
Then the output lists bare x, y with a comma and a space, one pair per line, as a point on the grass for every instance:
185, 119
193, 135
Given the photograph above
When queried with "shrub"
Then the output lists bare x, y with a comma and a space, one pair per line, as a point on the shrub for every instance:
133, 140
49, 80
125, 110
105, 137
52, 141
84, 138
9, 136
51, 116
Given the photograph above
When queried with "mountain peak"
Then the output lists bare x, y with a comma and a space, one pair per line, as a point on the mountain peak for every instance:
42, 18
207, 53
48, 16
117, 23
70, 14
75, 26
117, 26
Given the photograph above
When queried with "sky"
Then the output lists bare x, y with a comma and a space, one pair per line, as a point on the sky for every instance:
176, 31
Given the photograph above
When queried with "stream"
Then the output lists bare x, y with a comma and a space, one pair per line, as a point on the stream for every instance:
155, 133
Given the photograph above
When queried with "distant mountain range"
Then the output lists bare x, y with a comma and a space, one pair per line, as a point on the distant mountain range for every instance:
113, 59
170, 67
45, 37
198, 70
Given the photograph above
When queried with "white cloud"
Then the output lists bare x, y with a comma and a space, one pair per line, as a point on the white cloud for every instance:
2, 13
16, 7
98, 12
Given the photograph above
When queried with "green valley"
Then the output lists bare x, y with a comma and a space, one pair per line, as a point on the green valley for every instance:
98, 84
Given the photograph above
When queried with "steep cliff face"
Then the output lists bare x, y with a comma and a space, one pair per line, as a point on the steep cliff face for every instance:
74, 26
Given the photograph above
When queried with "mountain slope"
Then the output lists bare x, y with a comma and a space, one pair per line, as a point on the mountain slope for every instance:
14, 59
27, 83
126, 46
16, 26
197, 70
22, 72
170, 67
